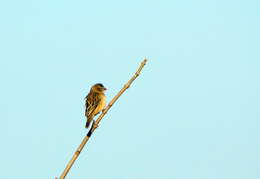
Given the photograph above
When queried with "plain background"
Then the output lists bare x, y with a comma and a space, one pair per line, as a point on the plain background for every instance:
192, 114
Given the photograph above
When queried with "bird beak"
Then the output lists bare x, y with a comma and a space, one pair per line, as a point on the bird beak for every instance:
104, 89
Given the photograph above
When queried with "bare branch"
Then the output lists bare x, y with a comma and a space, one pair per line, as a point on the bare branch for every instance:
93, 127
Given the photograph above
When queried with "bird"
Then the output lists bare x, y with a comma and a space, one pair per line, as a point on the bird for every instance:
95, 102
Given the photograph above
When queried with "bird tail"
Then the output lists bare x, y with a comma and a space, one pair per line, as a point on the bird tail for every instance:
88, 121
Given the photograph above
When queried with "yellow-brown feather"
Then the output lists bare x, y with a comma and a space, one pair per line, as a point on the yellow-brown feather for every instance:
101, 104
95, 102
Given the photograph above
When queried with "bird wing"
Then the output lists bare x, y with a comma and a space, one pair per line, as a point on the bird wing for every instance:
92, 101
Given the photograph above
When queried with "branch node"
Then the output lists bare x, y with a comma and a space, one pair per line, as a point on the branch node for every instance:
126, 86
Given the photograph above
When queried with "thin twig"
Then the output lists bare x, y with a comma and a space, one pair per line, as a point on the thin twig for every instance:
93, 127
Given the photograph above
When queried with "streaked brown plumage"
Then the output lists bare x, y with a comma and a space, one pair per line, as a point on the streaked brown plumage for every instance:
95, 102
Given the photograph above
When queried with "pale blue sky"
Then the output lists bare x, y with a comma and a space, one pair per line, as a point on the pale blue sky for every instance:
192, 114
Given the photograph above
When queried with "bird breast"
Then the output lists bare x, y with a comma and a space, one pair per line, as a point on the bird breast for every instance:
101, 105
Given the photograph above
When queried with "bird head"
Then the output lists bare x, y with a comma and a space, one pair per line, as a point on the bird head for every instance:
99, 88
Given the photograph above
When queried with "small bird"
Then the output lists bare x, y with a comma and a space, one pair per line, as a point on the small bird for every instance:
95, 102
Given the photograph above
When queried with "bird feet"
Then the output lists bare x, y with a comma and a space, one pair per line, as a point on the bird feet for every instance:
95, 125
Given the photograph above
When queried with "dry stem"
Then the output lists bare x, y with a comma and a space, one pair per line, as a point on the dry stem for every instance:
93, 128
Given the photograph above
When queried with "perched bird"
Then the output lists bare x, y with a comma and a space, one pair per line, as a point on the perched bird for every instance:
95, 102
